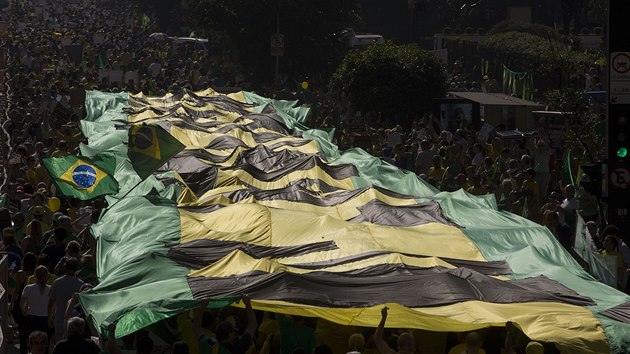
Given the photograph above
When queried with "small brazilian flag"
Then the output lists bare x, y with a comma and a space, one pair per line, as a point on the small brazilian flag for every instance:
150, 147
83, 178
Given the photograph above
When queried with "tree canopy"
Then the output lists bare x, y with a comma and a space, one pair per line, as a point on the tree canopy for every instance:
392, 79
309, 29
584, 127
554, 59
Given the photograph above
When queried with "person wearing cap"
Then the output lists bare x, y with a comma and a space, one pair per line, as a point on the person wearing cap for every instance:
39, 212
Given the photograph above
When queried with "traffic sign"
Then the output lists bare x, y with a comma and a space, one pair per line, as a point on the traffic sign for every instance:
620, 63
277, 45
620, 178
619, 78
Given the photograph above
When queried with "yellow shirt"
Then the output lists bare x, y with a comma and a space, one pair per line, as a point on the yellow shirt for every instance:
437, 174
51, 278
616, 254
533, 187
461, 349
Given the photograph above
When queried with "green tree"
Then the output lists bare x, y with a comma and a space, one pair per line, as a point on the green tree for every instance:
391, 79
584, 127
557, 61
309, 29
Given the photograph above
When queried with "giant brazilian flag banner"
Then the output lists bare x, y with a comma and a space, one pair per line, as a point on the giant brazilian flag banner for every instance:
258, 203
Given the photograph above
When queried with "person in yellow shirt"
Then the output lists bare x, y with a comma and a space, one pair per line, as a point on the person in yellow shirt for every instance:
530, 183
477, 188
494, 149
31, 175
38, 212
472, 345
42, 260
436, 171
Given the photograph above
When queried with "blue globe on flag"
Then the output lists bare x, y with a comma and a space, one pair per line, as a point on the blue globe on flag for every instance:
143, 138
84, 176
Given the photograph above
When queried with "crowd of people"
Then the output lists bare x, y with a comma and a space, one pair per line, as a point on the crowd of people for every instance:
52, 52
56, 50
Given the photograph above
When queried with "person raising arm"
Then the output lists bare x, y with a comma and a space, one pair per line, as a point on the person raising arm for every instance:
406, 342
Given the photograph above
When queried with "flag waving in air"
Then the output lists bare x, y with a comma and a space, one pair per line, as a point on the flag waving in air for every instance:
83, 178
150, 147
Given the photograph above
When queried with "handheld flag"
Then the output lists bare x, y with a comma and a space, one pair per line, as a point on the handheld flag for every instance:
83, 178
145, 21
150, 147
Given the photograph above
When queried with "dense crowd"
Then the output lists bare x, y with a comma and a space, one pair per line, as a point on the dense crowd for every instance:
55, 51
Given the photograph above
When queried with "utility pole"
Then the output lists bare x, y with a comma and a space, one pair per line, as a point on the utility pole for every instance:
277, 45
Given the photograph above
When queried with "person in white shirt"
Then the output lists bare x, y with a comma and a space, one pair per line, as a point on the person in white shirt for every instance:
568, 208
34, 302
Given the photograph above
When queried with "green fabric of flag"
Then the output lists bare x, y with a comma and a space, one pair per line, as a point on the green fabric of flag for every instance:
141, 235
519, 83
81, 177
4, 200
150, 147
568, 167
